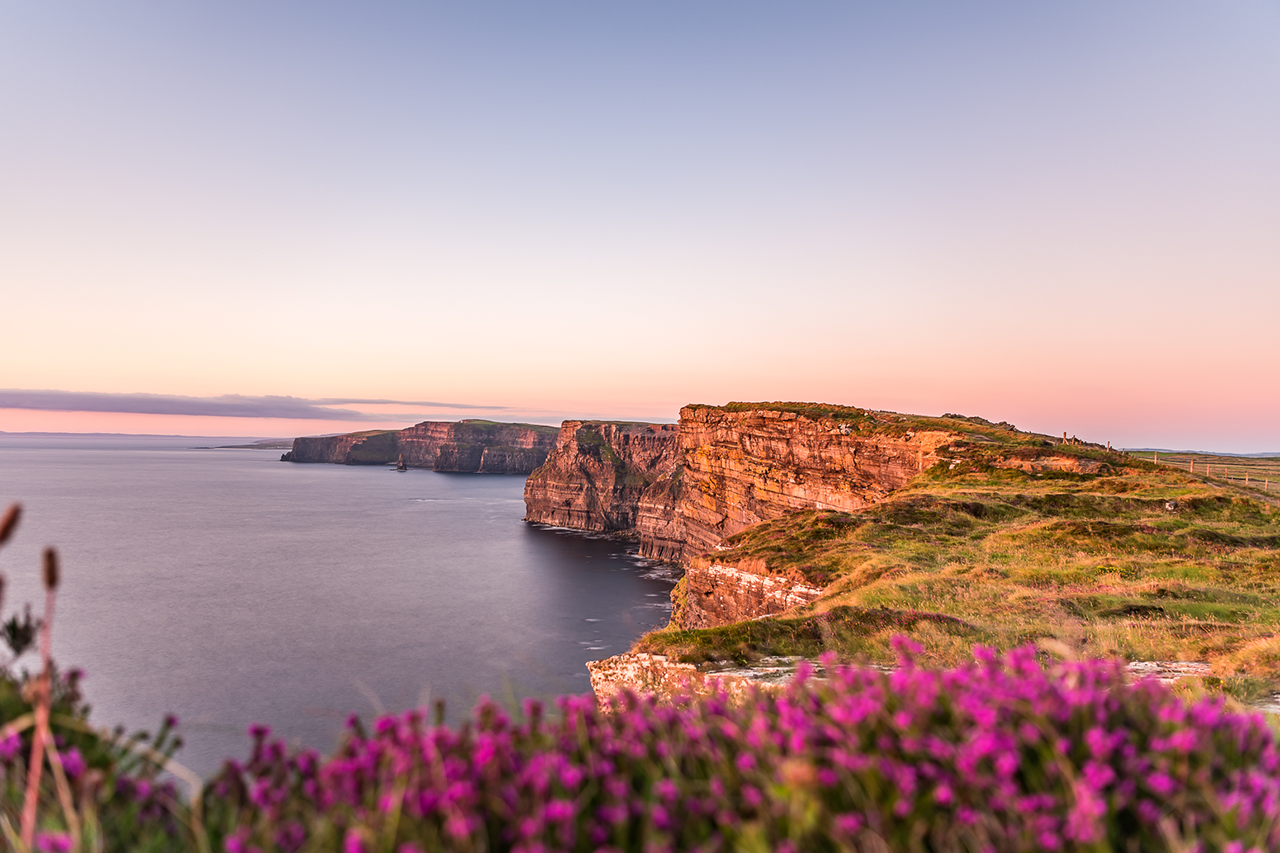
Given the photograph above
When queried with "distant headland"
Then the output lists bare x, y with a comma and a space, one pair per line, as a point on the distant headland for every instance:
467, 446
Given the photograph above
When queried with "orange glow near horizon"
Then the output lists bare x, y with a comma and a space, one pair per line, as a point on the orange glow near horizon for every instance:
129, 423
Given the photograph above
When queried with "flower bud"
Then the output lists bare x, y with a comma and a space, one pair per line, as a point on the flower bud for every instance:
50, 569
9, 522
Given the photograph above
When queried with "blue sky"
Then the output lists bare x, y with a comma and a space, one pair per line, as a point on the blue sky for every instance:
1062, 215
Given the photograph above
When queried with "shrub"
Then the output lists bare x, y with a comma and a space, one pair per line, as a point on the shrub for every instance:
1000, 754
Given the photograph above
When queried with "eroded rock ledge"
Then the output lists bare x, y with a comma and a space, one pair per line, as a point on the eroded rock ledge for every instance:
645, 673
716, 593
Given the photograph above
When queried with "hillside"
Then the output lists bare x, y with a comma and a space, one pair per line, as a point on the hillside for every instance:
997, 536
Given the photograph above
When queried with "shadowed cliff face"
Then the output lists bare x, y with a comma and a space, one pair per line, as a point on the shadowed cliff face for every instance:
597, 473
469, 446
355, 448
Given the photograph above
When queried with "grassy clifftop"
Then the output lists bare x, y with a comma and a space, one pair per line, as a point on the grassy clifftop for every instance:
1096, 554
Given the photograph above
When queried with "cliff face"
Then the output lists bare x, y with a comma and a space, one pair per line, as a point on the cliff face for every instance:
719, 593
746, 466
476, 446
682, 490
597, 473
660, 530
470, 446
645, 673
354, 448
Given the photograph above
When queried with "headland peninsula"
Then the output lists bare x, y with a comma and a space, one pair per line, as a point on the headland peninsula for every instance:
467, 446
805, 528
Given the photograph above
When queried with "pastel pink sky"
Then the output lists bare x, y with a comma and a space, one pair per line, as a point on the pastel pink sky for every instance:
1061, 215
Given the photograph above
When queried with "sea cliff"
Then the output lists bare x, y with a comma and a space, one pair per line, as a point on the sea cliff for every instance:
808, 528
597, 473
746, 464
469, 446
683, 489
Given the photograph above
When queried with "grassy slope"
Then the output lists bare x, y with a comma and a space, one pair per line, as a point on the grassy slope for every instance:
1141, 561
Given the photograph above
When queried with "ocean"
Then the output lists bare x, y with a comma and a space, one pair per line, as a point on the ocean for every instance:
230, 588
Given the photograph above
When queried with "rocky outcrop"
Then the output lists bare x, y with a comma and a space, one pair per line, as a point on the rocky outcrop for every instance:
354, 448
646, 673
1051, 462
743, 465
470, 446
640, 672
716, 593
597, 473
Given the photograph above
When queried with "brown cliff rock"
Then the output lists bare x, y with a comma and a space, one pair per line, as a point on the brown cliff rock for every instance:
645, 673
743, 465
595, 476
683, 490
660, 529
719, 593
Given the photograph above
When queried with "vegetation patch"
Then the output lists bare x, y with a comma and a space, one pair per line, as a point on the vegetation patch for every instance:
864, 631
1134, 559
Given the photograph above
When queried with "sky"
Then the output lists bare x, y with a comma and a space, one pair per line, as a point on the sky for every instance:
292, 218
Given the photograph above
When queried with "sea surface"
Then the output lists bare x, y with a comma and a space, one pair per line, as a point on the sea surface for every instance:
230, 588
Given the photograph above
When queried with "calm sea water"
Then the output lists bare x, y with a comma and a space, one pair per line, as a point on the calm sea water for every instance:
230, 588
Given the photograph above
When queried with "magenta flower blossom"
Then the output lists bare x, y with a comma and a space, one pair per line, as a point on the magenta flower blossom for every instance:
1021, 757
53, 842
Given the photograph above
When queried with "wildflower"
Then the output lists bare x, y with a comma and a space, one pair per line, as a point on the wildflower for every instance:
53, 842
1084, 822
353, 843
850, 824
559, 811
10, 747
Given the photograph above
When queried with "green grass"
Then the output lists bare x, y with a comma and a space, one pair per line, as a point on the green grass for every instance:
1260, 473
1139, 560
858, 420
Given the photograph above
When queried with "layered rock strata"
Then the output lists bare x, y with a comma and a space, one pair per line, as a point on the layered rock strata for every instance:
682, 490
742, 467
714, 593
470, 446
645, 673
595, 476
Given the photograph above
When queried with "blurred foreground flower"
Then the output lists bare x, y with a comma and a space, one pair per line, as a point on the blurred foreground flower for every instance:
1000, 755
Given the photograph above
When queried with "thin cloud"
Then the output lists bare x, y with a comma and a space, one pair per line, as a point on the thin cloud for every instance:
338, 401
225, 406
